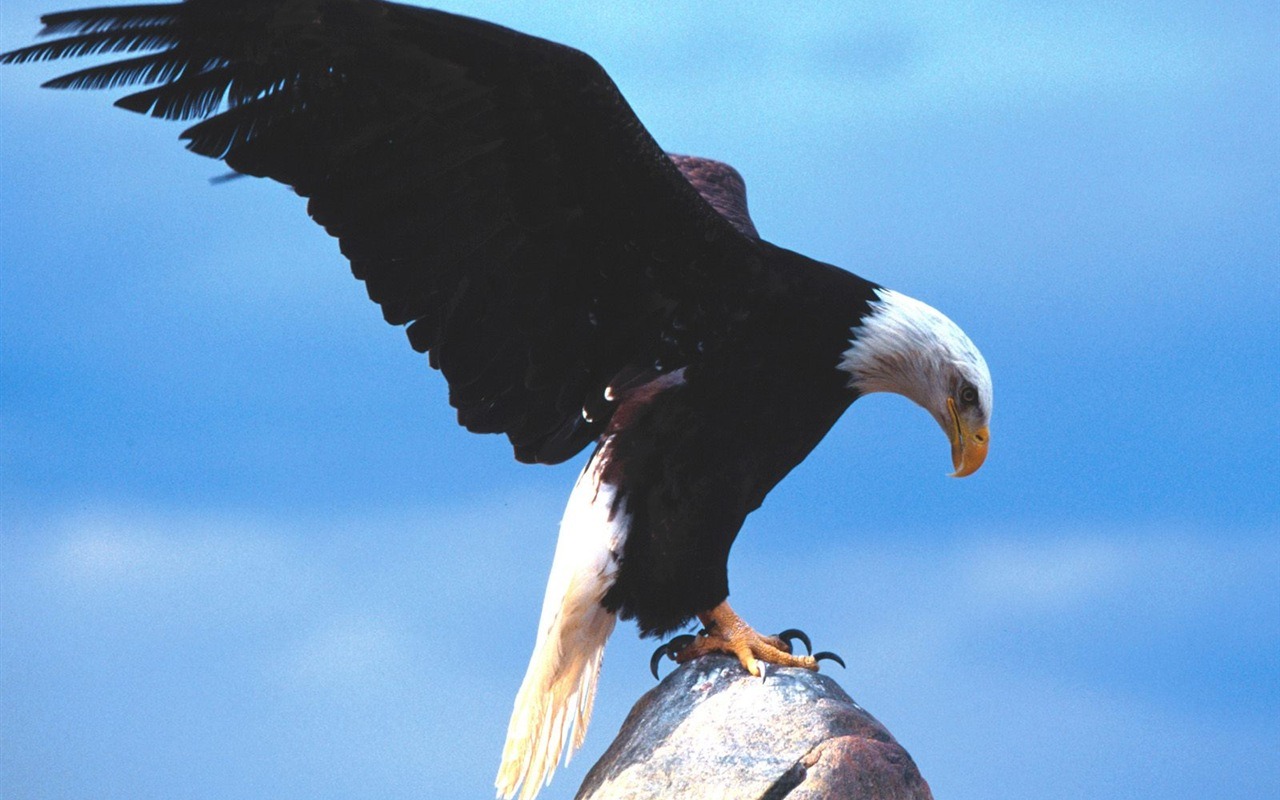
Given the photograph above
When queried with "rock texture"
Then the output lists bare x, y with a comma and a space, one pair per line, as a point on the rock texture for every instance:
710, 730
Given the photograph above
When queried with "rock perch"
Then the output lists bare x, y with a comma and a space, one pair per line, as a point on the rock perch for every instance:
712, 731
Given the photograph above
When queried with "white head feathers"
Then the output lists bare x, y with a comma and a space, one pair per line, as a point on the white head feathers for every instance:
910, 348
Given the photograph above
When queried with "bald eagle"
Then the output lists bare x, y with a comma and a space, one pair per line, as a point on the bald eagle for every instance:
576, 286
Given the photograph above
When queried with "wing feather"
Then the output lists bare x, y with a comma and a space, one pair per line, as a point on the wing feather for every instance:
493, 190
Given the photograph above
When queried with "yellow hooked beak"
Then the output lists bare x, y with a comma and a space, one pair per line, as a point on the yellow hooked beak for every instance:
968, 448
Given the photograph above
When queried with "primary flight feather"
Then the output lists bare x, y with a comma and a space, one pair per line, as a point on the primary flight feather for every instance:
575, 285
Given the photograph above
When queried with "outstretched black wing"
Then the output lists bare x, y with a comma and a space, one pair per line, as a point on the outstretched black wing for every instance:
493, 190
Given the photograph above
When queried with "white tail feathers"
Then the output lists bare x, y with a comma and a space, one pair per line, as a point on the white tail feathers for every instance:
554, 702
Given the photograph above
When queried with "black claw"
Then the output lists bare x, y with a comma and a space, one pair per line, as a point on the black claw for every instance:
657, 656
829, 656
670, 649
796, 633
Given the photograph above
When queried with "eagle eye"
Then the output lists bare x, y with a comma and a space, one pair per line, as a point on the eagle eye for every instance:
968, 396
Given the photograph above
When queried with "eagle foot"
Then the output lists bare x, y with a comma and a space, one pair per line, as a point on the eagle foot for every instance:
726, 632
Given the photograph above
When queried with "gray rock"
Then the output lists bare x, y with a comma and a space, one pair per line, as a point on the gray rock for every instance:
710, 730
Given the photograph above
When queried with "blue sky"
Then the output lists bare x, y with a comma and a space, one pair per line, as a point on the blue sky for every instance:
246, 552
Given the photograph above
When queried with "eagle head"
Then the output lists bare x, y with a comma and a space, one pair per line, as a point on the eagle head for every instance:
905, 346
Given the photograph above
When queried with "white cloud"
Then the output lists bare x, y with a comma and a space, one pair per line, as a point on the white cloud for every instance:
1048, 661
392, 643
113, 549
354, 652
922, 606
1061, 574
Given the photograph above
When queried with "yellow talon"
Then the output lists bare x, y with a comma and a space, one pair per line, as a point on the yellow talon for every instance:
726, 632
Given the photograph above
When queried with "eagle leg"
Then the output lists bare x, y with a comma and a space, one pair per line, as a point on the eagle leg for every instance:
726, 632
